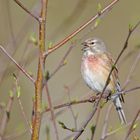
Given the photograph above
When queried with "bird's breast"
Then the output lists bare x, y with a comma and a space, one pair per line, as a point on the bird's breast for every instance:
95, 73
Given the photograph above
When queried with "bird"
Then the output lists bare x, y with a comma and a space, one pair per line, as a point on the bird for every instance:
96, 65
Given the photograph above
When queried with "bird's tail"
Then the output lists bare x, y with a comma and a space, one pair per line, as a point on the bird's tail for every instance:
119, 109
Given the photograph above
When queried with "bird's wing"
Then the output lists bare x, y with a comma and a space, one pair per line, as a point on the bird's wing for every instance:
108, 63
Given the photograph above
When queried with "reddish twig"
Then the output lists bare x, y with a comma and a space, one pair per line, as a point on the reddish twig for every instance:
26, 10
106, 121
20, 67
132, 125
20, 104
131, 30
24, 115
90, 116
72, 112
89, 100
52, 111
55, 47
107, 82
95, 126
120, 54
6, 117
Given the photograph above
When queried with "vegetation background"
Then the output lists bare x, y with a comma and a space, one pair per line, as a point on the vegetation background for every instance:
17, 29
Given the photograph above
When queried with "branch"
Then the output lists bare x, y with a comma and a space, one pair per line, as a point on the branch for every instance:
120, 128
17, 88
89, 100
71, 109
132, 125
90, 116
20, 67
36, 118
106, 121
64, 41
131, 71
6, 117
131, 30
52, 111
107, 82
16, 135
26, 10
61, 63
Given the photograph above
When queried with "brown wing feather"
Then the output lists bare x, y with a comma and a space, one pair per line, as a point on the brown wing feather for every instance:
108, 63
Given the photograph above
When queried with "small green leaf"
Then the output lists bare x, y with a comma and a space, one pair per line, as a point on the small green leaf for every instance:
74, 101
47, 75
18, 92
99, 7
92, 128
62, 125
65, 62
11, 94
48, 132
134, 126
102, 104
14, 75
97, 22
130, 27
44, 106
50, 45
33, 39
114, 67
33, 98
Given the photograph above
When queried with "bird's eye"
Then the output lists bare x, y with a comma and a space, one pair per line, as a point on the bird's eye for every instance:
92, 43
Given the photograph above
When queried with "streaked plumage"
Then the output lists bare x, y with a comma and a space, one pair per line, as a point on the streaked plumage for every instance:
95, 68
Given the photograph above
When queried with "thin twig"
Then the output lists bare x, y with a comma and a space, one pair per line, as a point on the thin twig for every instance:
128, 91
6, 117
72, 103
24, 115
72, 112
120, 54
107, 82
104, 130
131, 30
89, 100
16, 135
120, 128
131, 71
62, 61
20, 67
132, 125
52, 111
93, 130
26, 10
58, 45
18, 92
90, 116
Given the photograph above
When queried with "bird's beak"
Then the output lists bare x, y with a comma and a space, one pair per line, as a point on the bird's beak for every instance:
84, 44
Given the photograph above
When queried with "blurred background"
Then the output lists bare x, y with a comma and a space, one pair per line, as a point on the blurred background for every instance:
17, 32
